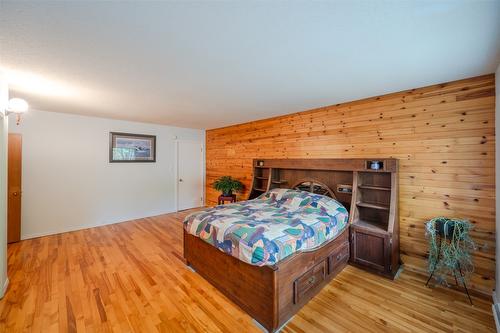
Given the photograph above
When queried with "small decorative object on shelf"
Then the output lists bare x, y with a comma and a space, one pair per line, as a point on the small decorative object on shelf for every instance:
226, 184
375, 165
344, 188
450, 247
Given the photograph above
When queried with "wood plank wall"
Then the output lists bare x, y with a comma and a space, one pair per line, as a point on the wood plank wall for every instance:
444, 136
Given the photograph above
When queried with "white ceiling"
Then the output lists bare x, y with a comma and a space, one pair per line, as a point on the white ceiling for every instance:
209, 64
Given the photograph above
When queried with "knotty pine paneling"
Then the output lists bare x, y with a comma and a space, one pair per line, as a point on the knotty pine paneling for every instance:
443, 135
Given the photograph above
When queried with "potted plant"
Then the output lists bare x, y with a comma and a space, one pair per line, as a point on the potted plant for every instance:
450, 247
226, 184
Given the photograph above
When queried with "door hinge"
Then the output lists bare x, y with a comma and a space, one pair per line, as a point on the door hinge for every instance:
390, 241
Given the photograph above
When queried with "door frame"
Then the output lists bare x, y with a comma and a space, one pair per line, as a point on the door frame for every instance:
176, 171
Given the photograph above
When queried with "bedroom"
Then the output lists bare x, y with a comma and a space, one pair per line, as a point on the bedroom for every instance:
346, 127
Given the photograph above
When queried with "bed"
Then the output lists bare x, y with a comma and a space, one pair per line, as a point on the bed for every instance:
272, 254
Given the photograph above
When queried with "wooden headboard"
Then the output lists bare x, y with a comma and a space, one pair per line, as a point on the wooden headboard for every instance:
314, 186
335, 174
368, 188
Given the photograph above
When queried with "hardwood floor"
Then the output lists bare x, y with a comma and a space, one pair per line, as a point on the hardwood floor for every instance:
130, 277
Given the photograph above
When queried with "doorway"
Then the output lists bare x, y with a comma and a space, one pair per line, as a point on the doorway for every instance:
14, 171
189, 174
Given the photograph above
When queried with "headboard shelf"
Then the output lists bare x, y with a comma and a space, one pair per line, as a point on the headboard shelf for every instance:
348, 164
372, 205
374, 187
371, 225
368, 188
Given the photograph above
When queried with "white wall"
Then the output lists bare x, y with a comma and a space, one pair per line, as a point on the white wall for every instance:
68, 182
4, 127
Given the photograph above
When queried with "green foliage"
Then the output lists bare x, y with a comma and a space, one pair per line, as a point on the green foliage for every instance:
455, 249
226, 184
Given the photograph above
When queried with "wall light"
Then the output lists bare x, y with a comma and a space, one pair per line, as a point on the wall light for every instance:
17, 106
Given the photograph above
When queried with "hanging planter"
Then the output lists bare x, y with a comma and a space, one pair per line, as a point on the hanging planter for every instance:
450, 247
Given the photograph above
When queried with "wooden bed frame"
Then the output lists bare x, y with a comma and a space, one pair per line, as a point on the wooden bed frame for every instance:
273, 294
270, 294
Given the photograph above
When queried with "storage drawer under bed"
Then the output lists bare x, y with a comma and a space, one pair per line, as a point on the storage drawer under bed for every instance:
338, 257
305, 285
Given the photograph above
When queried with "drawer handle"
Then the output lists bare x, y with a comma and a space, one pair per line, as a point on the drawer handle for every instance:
338, 257
311, 280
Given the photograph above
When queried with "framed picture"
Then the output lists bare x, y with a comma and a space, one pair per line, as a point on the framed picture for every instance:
127, 147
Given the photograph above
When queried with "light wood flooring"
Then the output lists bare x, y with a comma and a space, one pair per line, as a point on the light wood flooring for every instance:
130, 277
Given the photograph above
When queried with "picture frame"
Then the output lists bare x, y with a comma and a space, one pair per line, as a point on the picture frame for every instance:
131, 148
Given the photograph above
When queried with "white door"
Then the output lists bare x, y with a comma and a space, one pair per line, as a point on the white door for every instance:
189, 174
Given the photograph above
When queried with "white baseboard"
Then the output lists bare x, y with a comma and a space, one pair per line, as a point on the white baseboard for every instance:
259, 326
4, 289
264, 330
496, 314
496, 310
86, 226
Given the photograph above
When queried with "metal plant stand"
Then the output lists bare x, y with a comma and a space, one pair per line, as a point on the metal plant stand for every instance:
458, 269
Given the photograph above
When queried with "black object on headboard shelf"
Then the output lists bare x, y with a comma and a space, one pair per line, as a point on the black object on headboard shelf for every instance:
368, 188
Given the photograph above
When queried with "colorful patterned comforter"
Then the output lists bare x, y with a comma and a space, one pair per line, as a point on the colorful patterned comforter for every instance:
270, 228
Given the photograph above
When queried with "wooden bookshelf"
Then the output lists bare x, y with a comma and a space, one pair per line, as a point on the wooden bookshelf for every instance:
374, 221
264, 179
260, 182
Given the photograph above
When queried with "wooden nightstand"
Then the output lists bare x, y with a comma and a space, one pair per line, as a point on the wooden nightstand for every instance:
222, 198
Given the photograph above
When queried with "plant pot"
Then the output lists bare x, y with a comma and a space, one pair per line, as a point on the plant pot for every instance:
230, 193
450, 228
